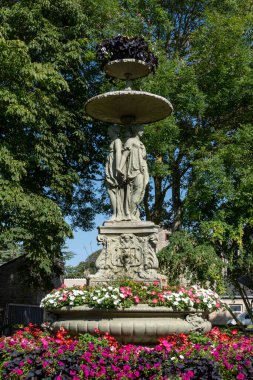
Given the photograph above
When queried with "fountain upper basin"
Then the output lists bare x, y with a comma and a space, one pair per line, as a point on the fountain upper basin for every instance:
128, 107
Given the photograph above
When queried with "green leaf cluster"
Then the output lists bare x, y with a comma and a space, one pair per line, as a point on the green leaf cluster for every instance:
47, 152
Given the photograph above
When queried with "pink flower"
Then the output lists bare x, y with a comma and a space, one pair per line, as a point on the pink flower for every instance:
137, 299
18, 371
155, 300
188, 375
241, 376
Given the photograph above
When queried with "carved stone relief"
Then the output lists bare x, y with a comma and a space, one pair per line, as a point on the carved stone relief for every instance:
197, 322
128, 255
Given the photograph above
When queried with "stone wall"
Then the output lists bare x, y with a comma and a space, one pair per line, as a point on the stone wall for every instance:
68, 282
163, 239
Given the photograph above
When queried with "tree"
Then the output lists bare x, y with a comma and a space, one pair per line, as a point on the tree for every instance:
187, 260
200, 158
80, 269
46, 49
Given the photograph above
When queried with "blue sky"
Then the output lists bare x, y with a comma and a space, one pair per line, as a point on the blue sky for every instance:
84, 242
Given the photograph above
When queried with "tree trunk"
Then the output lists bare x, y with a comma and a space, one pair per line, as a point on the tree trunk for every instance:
176, 199
159, 213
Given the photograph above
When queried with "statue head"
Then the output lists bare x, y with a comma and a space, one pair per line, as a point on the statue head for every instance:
127, 133
113, 131
138, 130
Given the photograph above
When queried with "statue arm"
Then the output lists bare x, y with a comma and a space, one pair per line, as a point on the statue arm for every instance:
118, 149
123, 160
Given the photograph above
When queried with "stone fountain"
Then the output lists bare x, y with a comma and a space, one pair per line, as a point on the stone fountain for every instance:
129, 244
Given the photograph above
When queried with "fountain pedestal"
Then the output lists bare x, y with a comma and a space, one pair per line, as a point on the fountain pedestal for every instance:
129, 250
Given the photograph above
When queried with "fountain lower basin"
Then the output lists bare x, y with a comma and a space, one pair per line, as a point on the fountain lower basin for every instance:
138, 324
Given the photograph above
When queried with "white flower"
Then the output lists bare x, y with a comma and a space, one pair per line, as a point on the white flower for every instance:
181, 356
110, 288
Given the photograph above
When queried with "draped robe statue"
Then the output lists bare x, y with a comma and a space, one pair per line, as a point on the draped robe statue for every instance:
134, 170
126, 173
111, 173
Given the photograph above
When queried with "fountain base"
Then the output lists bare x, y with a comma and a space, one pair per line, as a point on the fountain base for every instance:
140, 324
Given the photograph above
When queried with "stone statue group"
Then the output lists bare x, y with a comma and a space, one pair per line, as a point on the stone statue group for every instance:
126, 172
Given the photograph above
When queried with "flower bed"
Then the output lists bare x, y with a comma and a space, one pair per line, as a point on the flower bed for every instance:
128, 294
35, 354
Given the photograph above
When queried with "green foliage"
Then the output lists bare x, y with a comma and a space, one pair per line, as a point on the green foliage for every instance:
71, 271
220, 202
46, 48
86, 339
84, 266
200, 158
189, 260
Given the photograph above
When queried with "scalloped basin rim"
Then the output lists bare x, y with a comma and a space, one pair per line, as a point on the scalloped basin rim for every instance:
137, 308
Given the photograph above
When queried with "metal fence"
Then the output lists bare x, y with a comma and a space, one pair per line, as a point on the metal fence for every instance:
22, 314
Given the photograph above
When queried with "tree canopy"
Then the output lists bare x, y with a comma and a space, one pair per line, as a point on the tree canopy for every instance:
46, 50
200, 158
